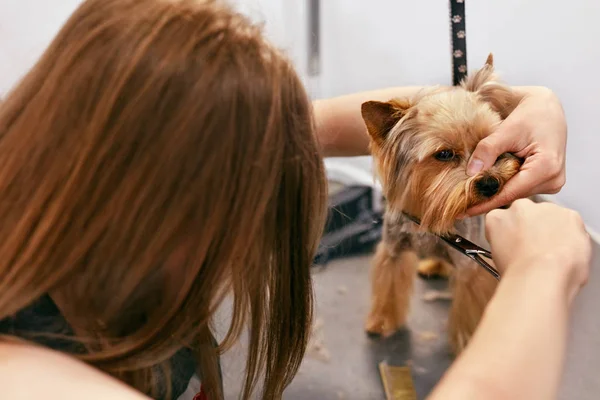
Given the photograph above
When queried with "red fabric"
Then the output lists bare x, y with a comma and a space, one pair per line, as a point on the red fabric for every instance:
201, 395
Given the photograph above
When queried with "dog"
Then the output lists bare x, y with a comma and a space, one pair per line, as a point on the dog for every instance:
420, 148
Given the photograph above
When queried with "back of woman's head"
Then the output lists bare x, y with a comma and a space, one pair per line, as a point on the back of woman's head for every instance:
159, 155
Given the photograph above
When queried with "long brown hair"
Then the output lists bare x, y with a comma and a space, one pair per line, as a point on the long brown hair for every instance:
159, 156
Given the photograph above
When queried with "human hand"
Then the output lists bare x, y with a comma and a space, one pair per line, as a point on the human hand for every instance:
528, 234
536, 131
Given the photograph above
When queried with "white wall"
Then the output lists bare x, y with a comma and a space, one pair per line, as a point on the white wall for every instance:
535, 42
285, 23
552, 43
381, 43
26, 28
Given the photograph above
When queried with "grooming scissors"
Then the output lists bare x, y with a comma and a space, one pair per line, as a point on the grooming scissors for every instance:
467, 248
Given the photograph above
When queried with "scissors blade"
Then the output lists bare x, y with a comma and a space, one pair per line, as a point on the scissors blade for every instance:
466, 247
482, 263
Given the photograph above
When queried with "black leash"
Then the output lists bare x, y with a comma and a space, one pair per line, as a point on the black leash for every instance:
458, 39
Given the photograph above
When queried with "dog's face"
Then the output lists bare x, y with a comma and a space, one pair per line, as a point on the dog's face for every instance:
422, 146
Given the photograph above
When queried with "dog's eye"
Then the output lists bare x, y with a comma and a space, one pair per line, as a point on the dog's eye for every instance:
445, 155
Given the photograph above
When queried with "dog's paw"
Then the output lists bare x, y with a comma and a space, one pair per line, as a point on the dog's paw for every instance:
382, 327
431, 268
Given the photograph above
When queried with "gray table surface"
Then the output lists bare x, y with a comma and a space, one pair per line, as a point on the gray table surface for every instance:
349, 368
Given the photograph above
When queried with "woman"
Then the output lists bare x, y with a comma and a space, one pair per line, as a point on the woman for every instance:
160, 155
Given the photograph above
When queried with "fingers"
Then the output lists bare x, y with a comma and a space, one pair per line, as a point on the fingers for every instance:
492, 220
544, 175
497, 217
487, 151
533, 231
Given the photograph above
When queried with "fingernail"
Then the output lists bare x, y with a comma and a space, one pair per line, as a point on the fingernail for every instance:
462, 216
474, 167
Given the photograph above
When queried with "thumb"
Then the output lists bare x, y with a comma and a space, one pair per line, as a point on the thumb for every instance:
488, 150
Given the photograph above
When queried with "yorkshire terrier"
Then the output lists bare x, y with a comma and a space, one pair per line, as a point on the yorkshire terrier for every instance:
421, 147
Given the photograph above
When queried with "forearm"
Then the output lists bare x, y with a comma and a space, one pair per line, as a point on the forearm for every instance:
518, 350
340, 128
31, 372
532, 90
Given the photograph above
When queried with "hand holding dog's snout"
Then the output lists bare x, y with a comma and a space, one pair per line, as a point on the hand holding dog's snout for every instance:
530, 234
535, 131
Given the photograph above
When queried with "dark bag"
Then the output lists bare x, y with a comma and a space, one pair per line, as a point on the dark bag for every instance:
353, 226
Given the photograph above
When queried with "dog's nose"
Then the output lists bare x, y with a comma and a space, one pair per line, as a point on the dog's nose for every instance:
487, 186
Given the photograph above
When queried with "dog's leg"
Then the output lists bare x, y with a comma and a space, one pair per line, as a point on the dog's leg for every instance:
391, 289
472, 289
392, 277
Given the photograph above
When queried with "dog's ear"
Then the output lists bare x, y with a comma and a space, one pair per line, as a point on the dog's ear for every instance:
486, 74
380, 117
486, 84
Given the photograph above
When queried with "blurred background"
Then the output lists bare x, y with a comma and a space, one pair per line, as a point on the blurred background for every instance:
343, 46
378, 43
